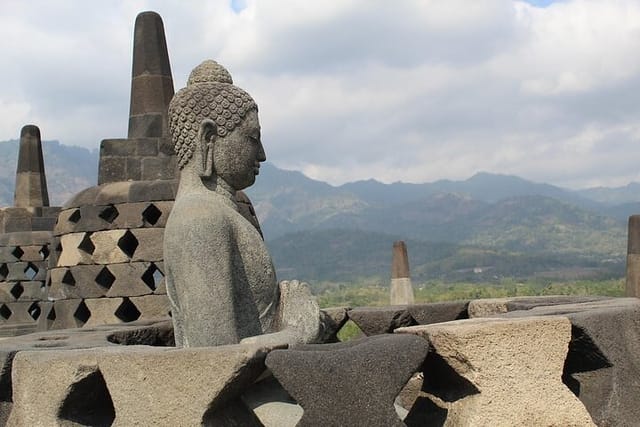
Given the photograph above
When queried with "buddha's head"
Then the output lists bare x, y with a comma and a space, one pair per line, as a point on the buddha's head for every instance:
215, 128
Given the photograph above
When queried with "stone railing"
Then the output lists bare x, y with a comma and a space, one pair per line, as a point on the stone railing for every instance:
519, 361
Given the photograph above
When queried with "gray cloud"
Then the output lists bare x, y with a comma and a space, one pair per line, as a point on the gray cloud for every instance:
413, 90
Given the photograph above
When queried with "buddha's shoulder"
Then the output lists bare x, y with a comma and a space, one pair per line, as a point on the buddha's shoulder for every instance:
197, 210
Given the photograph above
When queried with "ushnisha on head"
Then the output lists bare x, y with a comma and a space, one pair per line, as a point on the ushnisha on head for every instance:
216, 124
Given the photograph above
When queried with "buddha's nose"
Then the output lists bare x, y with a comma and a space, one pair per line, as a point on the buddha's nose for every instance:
261, 157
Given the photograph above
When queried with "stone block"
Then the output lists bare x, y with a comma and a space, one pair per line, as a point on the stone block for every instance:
67, 221
69, 314
491, 307
5, 291
129, 215
210, 380
134, 168
104, 311
19, 312
32, 253
438, 312
152, 306
401, 291
601, 367
85, 197
488, 371
43, 224
29, 291
7, 254
632, 285
146, 147
128, 280
381, 320
76, 282
107, 246
13, 224
155, 214
113, 193
71, 253
150, 241
117, 148
149, 191
327, 380
111, 169
154, 168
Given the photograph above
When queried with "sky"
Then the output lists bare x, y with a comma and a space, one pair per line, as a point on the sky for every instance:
412, 90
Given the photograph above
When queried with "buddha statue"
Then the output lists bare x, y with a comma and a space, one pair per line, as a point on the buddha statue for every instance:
220, 278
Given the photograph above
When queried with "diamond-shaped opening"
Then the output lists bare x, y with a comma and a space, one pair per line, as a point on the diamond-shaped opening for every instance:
82, 313
51, 317
4, 271
75, 216
34, 311
88, 403
17, 290
44, 252
349, 331
68, 278
105, 278
128, 243
152, 277
30, 271
109, 214
86, 244
5, 312
151, 214
127, 312
17, 252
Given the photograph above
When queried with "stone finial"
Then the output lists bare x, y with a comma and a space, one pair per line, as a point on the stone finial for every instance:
633, 257
400, 263
151, 81
401, 289
31, 182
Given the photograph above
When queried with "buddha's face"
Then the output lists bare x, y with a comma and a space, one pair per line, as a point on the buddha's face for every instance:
237, 156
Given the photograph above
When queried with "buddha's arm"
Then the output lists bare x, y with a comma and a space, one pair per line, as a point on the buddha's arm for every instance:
202, 263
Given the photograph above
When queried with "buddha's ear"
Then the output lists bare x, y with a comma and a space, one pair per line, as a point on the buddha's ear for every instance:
206, 138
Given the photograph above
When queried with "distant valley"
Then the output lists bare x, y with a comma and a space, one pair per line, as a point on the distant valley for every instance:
480, 229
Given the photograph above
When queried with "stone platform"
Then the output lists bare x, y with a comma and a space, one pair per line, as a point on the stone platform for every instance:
530, 361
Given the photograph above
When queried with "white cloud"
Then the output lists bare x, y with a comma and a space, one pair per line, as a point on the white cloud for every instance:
414, 90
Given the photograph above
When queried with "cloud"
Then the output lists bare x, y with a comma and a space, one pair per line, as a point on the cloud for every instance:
414, 91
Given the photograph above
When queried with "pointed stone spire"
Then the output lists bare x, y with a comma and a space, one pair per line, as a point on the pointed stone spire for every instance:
31, 182
401, 289
633, 257
151, 81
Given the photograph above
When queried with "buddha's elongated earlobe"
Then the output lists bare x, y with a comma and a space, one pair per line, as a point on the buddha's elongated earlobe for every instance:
206, 140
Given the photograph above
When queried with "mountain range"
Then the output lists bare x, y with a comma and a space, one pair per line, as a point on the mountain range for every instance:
483, 228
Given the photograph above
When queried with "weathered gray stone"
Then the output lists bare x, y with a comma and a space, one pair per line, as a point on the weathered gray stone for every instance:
209, 379
224, 275
71, 253
491, 307
152, 306
104, 311
107, 249
149, 191
68, 314
497, 371
31, 181
128, 280
381, 320
76, 282
632, 288
601, 367
150, 242
331, 321
437, 312
353, 383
